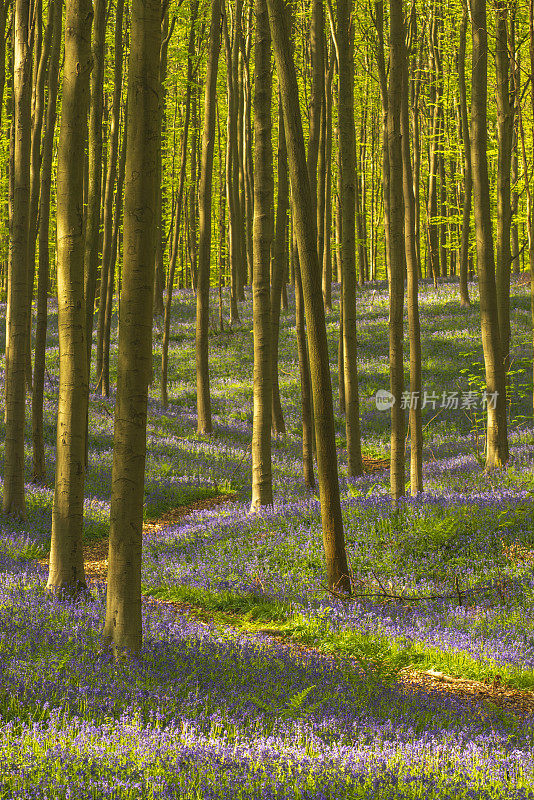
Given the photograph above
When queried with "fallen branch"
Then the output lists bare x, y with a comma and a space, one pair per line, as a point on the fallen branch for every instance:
458, 594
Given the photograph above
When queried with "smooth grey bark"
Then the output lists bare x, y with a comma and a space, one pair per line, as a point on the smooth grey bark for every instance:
497, 437
66, 572
94, 190
304, 218
412, 270
279, 267
468, 173
397, 252
347, 146
305, 377
17, 301
122, 627
204, 425
505, 133
40, 68
39, 465
178, 211
262, 489
108, 254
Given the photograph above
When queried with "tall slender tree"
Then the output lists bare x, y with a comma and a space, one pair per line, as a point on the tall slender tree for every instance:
66, 573
39, 467
178, 209
397, 253
468, 173
347, 147
497, 438
412, 270
17, 303
305, 228
505, 134
122, 625
94, 189
204, 424
262, 490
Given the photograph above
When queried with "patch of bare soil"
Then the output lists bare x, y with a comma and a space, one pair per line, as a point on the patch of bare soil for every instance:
95, 555
375, 464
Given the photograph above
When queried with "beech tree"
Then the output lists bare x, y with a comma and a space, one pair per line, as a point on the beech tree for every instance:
66, 571
122, 625
17, 303
497, 438
203, 283
262, 491
305, 227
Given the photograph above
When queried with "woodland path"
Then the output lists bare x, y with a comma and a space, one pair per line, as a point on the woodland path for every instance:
482, 697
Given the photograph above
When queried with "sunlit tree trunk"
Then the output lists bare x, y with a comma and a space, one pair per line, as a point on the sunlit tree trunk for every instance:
159, 278
304, 218
278, 269
347, 144
262, 490
111, 175
66, 573
94, 191
40, 67
178, 211
232, 165
505, 133
17, 303
433, 167
123, 606
206, 176
305, 378
412, 269
497, 438
39, 466
327, 253
468, 174
396, 245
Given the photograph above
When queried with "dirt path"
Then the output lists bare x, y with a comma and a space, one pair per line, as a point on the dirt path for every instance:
512, 701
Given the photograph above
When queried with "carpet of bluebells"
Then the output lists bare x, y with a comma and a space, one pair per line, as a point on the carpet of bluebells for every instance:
212, 711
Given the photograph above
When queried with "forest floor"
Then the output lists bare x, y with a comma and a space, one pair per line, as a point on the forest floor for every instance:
254, 681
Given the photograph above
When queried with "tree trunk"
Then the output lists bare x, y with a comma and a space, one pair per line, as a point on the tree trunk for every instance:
107, 247
159, 277
305, 378
505, 133
40, 67
497, 438
94, 190
412, 269
178, 212
66, 573
327, 254
122, 627
304, 217
204, 425
232, 162
262, 491
347, 144
193, 183
279, 269
433, 167
17, 303
396, 246
468, 175
39, 465
317, 92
